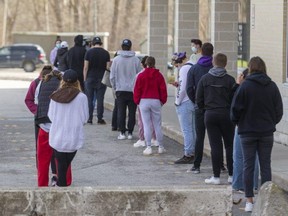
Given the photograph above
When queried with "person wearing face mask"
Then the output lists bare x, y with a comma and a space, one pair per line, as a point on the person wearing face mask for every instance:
53, 52
196, 45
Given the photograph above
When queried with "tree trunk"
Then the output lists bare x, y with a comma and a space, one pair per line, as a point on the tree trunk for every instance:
114, 24
11, 18
56, 7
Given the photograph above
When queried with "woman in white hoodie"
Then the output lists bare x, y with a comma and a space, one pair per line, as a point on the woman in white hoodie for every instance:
68, 112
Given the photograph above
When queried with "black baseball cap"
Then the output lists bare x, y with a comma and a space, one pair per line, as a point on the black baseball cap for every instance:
97, 40
127, 42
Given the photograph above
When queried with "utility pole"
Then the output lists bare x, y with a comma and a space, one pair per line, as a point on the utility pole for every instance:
95, 16
4, 22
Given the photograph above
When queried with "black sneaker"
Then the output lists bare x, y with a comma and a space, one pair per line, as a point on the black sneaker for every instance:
185, 160
90, 122
101, 121
195, 170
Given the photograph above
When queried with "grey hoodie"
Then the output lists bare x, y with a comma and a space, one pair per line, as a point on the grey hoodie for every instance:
217, 71
124, 68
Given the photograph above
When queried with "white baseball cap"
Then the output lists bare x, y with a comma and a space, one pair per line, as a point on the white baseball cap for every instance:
64, 44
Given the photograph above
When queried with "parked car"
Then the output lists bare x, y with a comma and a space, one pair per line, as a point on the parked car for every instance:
26, 56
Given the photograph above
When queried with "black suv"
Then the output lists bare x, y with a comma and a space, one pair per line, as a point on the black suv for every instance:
26, 56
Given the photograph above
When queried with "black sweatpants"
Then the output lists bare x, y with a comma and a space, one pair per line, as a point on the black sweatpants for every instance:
219, 127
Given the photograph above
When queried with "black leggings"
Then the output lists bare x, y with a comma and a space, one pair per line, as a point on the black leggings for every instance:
64, 160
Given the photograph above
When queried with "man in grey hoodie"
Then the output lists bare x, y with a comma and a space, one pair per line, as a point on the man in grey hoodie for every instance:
123, 71
214, 94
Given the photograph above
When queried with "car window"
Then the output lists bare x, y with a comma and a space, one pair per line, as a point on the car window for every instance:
18, 52
4, 51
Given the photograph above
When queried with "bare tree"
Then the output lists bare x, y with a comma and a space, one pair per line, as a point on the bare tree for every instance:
11, 18
37, 11
56, 5
114, 23
74, 4
86, 18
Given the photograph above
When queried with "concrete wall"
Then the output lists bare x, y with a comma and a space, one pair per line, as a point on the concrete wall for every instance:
158, 32
224, 30
268, 40
88, 201
186, 22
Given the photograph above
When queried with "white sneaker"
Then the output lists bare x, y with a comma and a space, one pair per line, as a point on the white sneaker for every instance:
161, 150
230, 179
121, 136
139, 143
147, 151
213, 180
248, 207
130, 137
154, 143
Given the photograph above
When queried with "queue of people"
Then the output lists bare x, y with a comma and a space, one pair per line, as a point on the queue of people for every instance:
207, 97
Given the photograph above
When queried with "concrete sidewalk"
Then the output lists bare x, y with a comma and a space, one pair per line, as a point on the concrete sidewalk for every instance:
171, 126
171, 129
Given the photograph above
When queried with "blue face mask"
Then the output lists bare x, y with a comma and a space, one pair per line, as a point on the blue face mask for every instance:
58, 45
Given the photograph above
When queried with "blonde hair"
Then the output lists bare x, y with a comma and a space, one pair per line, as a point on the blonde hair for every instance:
52, 74
75, 85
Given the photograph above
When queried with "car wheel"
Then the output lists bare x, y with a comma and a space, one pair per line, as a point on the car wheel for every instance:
29, 66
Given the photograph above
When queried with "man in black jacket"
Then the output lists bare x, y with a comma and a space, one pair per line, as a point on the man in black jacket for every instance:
202, 67
76, 58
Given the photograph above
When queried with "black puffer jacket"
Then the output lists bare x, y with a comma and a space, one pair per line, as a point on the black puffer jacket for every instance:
46, 89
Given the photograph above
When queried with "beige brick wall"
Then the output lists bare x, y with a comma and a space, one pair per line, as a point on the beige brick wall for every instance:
267, 40
267, 37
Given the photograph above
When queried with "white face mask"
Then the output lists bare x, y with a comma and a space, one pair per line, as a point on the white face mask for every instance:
194, 49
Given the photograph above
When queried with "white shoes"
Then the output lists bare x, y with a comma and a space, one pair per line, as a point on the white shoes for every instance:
154, 143
230, 179
147, 151
130, 137
213, 180
139, 143
248, 207
121, 136
161, 150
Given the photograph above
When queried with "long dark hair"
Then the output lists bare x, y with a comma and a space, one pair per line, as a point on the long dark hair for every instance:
256, 64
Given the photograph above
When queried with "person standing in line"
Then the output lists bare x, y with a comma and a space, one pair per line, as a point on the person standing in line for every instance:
256, 108
97, 60
214, 94
68, 112
150, 93
202, 67
196, 45
141, 141
185, 108
44, 151
31, 101
238, 184
61, 60
124, 68
76, 56
53, 52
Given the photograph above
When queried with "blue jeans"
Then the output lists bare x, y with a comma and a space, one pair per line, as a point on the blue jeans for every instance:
238, 183
92, 89
186, 116
252, 146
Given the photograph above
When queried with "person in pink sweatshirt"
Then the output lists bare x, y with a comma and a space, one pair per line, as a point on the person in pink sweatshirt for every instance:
150, 94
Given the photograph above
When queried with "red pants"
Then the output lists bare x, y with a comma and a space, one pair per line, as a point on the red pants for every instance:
44, 154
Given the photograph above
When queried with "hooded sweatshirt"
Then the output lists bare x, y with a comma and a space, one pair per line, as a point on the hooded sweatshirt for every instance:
195, 73
181, 94
68, 112
150, 84
257, 106
76, 57
61, 60
215, 90
124, 68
